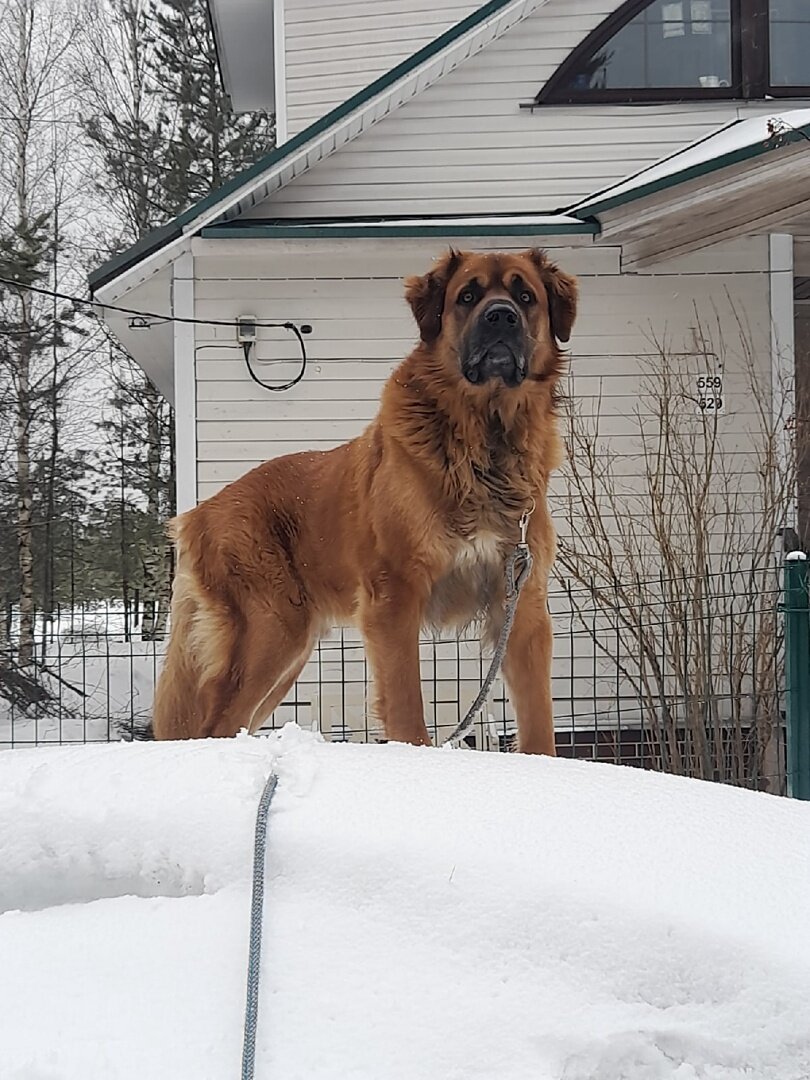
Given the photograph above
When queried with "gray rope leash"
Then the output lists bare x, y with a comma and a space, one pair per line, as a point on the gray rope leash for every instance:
518, 568
256, 911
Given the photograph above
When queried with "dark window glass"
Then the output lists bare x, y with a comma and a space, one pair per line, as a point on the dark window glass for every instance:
671, 44
790, 42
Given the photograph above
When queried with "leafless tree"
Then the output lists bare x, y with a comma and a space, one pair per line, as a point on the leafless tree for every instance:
124, 121
155, 116
36, 37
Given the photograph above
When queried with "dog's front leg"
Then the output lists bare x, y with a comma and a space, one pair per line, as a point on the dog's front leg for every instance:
527, 667
391, 618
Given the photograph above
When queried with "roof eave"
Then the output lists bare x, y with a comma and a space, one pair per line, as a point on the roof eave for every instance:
326, 135
244, 44
437, 228
119, 264
754, 197
606, 202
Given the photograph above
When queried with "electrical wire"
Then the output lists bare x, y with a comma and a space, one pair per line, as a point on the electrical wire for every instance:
245, 348
156, 319
151, 315
305, 329
285, 386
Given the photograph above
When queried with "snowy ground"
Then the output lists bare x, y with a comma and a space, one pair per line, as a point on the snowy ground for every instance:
431, 915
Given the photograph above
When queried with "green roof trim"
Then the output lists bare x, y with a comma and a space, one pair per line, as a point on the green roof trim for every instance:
139, 250
303, 231
704, 168
172, 230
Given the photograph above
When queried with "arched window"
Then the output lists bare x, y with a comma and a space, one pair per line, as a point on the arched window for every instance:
675, 50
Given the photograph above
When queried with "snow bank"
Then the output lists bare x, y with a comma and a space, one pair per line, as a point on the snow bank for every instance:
431, 915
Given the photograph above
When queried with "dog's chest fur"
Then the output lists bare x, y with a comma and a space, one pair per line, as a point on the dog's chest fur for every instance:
472, 584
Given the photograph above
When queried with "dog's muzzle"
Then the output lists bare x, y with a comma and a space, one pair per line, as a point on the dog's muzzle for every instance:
496, 349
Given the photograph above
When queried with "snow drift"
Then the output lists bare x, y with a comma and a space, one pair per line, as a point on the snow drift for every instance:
431, 915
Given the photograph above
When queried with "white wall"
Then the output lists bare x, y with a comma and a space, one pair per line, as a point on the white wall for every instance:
464, 145
336, 47
352, 296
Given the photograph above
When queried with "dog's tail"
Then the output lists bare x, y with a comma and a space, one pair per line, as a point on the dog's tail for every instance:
197, 649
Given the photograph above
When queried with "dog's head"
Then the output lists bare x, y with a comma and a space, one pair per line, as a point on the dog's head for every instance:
495, 319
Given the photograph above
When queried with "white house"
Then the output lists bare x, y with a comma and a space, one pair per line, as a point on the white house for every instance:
659, 148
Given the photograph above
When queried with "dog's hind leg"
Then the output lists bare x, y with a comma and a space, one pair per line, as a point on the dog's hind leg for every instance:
266, 657
276, 693
226, 671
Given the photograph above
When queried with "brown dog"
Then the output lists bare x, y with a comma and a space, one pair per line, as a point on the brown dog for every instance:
404, 527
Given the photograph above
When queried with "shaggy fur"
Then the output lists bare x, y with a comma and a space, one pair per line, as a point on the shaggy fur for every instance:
404, 527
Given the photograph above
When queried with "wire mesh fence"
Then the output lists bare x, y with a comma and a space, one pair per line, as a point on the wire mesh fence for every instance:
682, 675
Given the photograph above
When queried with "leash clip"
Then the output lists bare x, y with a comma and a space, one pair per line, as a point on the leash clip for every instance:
524, 523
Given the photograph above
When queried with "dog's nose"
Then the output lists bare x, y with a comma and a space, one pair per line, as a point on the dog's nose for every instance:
500, 314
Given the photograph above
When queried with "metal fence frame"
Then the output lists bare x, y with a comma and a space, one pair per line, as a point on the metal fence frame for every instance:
94, 655
796, 609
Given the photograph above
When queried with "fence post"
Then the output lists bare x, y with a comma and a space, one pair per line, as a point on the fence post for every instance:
797, 675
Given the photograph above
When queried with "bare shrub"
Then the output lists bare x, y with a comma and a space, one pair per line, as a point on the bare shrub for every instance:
672, 547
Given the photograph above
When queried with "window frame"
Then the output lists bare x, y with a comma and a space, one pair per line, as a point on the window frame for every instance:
765, 43
750, 64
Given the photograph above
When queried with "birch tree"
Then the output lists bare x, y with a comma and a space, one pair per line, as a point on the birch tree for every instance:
122, 123
156, 117
36, 37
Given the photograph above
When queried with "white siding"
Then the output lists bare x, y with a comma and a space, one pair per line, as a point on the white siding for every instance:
464, 145
333, 48
362, 327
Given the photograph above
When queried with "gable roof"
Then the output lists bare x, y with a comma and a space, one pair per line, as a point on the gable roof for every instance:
322, 138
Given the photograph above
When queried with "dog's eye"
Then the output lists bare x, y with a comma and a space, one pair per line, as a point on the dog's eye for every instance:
525, 297
467, 297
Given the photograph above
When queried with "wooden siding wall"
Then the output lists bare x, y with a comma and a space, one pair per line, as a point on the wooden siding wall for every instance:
465, 146
802, 255
333, 48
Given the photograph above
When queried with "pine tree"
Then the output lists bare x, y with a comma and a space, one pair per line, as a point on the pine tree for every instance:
158, 120
120, 116
32, 44
204, 144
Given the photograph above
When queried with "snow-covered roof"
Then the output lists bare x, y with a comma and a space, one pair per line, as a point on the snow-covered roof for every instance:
428, 914
739, 141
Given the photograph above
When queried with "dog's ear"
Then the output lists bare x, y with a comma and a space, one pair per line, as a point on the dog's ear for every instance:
562, 291
426, 295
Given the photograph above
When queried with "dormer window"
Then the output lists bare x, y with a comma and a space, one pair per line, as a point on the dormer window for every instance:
673, 50
789, 43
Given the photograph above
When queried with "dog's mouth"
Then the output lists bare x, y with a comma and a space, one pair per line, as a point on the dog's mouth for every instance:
496, 361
